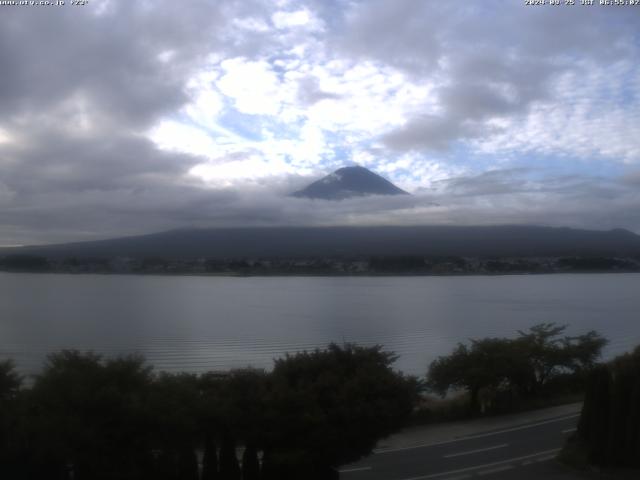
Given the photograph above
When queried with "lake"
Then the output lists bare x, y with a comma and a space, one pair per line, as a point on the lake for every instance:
214, 323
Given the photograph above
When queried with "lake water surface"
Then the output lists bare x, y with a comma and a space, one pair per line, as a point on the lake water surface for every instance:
214, 323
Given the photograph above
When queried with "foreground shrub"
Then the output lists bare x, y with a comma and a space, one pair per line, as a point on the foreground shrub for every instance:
86, 417
609, 427
330, 407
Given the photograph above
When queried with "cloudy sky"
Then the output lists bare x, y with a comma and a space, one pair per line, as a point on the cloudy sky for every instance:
126, 117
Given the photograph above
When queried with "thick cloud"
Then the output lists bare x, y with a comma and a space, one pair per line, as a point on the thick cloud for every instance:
50, 55
131, 117
492, 60
309, 91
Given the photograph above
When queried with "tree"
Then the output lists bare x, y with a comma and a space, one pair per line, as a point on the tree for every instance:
250, 463
487, 365
237, 402
600, 411
330, 407
90, 414
518, 367
582, 352
548, 353
100, 419
187, 463
10, 381
173, 407
229, 466
609, 426
210, 459
24, 263
544, 352
232, 405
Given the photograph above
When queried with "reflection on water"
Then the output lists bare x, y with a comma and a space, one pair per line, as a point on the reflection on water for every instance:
205, 323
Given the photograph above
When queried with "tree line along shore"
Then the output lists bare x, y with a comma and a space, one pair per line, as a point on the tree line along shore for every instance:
338, 265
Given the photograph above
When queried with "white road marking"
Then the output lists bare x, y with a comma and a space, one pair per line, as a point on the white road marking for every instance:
486, 465
471, 437
569, 430
355, 469
546, 458
469, 452
495, 470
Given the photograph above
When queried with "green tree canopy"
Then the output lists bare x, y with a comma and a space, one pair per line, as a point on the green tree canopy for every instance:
487, 363
609, 427
522, 365
88, 412
330, 407
116, 419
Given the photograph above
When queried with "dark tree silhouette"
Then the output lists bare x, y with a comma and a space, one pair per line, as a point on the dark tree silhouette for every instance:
10, 383
229, 466
609, 427
521, 367
250, 463
187, 464
210, 460
89, 415
330, 407
115, 419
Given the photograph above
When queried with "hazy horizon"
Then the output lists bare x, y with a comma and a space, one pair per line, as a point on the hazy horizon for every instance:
192, 229
126, 118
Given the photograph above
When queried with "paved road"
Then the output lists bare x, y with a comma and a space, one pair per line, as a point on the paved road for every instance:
514, 452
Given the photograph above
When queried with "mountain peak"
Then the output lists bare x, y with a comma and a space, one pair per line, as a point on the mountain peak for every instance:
347, 182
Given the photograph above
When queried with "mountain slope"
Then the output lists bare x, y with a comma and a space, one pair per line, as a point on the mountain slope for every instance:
353, 241
349, 182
